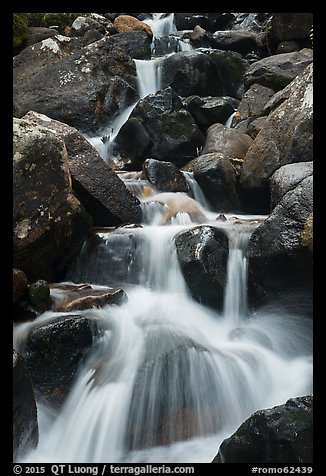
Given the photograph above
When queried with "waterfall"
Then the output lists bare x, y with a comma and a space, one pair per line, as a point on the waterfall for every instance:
149, 73
235, 301
195, 189
170, 378
162, 24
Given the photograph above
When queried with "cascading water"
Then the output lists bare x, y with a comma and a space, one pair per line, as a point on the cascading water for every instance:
170, 378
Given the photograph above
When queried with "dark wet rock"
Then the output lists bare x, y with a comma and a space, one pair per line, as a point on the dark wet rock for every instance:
164, 176
254, 127
161, 129
102, 193
287, 47
38, 33
199, 37
47, 89
25, 426
290, 26
280, 250
112, 259
91, 36
20, 284
188, 21
39, 296
287, 178
241, 41
282, 434
54, 351
210, 110
217, 178
286, 137
135, 43
223, 140
254, 22
230, 69
252, 103
88, 298
49, 221
191, 73
204, 266
277, 71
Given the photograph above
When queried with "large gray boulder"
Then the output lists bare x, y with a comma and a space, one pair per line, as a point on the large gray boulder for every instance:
87, 73
103, 194
280, 250
283, 434
286, 137
231, 142
202, 253
49, 221
159, 128
277, 71
191, 73
25, 426
217, 178
54, 351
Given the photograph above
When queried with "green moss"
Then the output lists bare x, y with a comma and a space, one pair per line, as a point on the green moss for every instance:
20, 29
60, 20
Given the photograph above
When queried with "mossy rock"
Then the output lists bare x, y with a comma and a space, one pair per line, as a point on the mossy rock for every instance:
60, 20
20, 30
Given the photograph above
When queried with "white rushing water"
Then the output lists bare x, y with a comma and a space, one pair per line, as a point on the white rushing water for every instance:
162, 24
170, 378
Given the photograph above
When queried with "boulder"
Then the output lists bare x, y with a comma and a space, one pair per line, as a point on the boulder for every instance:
127, 22
252, 103
135, 43
54, 351
280, 250
109, 259
81, 25
191, 73
277, 71
202, 253
39, 296
87, 72
200, 37
216, 177
287, 178
241, 41
103, 194
25, 426
290, 26
49, 221
38, 33
164, 176
210, 110
283, 434
286, 137
223, 140
254, 127
230, 70
158, 128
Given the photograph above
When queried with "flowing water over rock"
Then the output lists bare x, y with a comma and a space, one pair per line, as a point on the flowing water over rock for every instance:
169, 378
